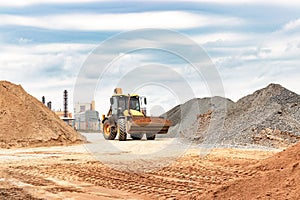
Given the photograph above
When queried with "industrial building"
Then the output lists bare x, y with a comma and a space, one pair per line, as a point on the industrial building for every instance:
87, 121
86, 117
82, 107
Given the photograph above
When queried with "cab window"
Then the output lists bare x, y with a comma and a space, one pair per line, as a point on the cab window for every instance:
114, 106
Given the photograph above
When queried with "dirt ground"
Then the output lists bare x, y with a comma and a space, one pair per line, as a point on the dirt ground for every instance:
72, 173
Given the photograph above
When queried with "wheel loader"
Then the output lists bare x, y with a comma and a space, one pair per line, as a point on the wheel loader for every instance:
127, 116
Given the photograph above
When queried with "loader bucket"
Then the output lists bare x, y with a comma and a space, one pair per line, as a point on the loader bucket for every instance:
154, 125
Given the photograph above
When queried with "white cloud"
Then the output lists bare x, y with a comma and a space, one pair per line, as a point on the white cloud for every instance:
117, 22
22, 61
266, 58
243, 2
20, 3
231, 38
248, 77
252, 61
242, 74
281, 45
292, 25
231, 49
45, 48
43, 69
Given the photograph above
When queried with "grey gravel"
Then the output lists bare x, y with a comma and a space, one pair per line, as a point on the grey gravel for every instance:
269, 117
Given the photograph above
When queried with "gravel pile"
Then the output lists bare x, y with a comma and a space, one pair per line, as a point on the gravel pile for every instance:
268, 117
184, 116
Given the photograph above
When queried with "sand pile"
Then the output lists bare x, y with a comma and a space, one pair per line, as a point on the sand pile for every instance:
25, 121
277, 177
268, 117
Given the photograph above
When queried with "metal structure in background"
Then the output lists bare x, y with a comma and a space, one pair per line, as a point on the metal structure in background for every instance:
49, 105
66, 103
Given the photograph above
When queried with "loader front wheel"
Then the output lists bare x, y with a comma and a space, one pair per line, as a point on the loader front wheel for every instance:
109, 132
150, 136
122, 130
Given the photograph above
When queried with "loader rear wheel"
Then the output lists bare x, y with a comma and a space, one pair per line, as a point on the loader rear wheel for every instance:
122, 130
136, 136
150, 136
109, 132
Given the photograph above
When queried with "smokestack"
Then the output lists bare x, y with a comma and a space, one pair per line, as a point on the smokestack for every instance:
49, 105
65, 103
43, 99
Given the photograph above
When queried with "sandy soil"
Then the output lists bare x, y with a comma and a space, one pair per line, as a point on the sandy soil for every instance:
25, 121
73, 173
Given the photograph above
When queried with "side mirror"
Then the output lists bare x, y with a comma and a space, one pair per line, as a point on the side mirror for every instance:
111, 101
145, 101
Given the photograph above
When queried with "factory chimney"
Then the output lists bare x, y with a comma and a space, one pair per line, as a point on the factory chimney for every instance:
65, 103
49, 105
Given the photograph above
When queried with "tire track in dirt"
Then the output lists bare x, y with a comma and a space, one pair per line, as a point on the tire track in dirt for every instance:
189, 177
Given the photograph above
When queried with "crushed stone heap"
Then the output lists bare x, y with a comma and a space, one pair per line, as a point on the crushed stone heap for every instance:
25, 121
269, 117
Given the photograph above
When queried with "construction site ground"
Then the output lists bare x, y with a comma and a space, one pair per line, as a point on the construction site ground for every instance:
92, 171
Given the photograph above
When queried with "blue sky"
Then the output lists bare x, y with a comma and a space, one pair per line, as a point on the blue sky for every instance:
251, 43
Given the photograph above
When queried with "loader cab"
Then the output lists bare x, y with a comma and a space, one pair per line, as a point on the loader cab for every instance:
119, 103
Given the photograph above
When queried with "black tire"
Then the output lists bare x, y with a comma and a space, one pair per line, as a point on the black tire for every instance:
136, 136
122, 130
109, 132
150, 136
